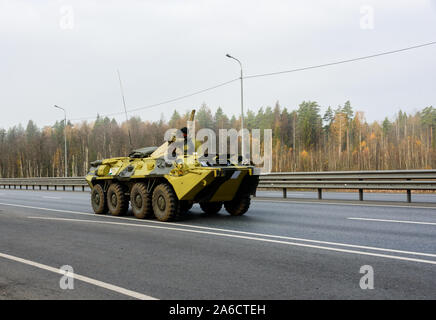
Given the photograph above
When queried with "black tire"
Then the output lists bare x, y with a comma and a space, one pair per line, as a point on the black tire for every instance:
117, 201
140, 201
98, 200
211, 207
238, 206
165, 203
185, 206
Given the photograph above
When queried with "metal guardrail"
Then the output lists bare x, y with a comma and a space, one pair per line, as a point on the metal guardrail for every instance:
46, 183
407, 180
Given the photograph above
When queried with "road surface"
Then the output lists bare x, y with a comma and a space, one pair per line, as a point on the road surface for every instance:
281, 249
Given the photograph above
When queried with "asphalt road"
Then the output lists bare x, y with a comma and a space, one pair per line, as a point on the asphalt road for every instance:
278, 250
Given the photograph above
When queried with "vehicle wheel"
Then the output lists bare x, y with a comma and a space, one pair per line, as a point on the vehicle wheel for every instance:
165, 202
117, 201
211, 207
140, 200
238, 206
98, 200
185, 206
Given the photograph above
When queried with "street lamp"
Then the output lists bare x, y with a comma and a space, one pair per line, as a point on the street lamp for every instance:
65, 138
242, 105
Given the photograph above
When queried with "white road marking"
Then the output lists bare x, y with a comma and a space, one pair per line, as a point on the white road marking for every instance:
242, 237
319, 202
47, 197
94, 282
141, 222
397, 221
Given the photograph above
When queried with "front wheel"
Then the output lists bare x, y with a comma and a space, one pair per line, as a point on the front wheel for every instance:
165, 202
98, 200
238, 206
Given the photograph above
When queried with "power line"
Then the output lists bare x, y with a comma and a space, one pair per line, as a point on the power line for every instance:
262, 75
164, 102
339, 62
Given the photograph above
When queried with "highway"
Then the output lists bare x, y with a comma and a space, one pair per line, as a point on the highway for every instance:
281, 249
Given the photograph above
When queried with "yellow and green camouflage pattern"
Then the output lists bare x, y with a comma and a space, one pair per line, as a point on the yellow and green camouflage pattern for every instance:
188, 176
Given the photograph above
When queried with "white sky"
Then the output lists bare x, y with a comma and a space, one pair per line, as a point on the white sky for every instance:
166, 49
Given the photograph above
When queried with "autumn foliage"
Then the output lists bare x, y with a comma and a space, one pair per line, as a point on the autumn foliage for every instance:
303, 140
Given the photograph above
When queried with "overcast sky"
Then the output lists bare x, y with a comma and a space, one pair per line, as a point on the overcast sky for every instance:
68, 52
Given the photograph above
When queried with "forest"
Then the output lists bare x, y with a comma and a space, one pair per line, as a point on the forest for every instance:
304, 139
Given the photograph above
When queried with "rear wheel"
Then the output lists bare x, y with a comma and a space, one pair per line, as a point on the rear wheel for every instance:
98, 200
238, 206
117, 201
211, 207
140, 200
165, 202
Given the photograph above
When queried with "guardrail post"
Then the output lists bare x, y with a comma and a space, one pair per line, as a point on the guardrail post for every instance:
360, 192
319, 194
285, 193
409, 195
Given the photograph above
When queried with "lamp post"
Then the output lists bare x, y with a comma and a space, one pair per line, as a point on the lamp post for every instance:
242, 105
65, 138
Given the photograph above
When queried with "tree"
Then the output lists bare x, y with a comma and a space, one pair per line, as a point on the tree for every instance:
302, 140
204, 117
309, 124
174, 119
328, 118
221, 121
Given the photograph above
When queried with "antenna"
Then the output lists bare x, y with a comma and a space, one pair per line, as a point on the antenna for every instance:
191, 116
125, 110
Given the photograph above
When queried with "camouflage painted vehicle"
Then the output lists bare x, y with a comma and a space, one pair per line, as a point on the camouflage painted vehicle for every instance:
164, 189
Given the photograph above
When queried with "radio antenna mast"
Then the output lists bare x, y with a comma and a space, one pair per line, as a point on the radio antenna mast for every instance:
125, 110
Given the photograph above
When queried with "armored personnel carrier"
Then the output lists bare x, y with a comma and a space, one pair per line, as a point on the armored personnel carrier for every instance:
156, 187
